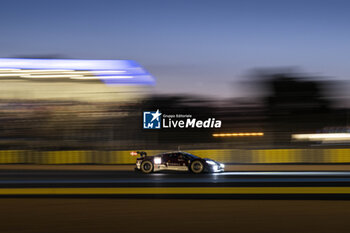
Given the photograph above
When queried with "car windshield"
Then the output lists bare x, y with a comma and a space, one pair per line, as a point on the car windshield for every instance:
184, 153
190, 155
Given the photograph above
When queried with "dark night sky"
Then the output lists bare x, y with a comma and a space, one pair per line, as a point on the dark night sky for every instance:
189, 46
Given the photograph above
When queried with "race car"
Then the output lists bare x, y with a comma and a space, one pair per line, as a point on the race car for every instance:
176, 161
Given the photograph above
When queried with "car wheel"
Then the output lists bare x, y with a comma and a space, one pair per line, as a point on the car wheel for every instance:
197, 167
147, 167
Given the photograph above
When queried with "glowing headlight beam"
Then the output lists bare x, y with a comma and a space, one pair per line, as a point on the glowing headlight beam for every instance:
211, 162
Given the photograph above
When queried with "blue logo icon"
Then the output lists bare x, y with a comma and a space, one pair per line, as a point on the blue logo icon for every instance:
151, 120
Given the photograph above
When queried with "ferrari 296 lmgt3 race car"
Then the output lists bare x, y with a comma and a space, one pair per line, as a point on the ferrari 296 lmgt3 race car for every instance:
176, 161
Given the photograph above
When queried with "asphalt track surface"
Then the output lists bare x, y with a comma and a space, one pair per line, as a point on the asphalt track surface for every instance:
42, 215
62, 182
89, 201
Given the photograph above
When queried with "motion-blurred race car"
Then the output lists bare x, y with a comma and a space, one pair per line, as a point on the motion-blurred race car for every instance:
175, 161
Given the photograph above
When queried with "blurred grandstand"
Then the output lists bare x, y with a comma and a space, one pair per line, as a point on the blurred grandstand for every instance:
62, 104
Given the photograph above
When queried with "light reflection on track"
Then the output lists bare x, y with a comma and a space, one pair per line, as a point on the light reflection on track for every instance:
282, 173
130, 178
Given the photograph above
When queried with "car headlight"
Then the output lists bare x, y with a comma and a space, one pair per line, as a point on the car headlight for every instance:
211, 162
222, 165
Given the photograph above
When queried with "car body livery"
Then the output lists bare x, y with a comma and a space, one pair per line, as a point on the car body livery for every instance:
176, 161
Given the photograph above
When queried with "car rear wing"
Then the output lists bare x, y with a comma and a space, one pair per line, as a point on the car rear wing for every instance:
141, 153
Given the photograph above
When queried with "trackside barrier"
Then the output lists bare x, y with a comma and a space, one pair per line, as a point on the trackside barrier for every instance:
222, 155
